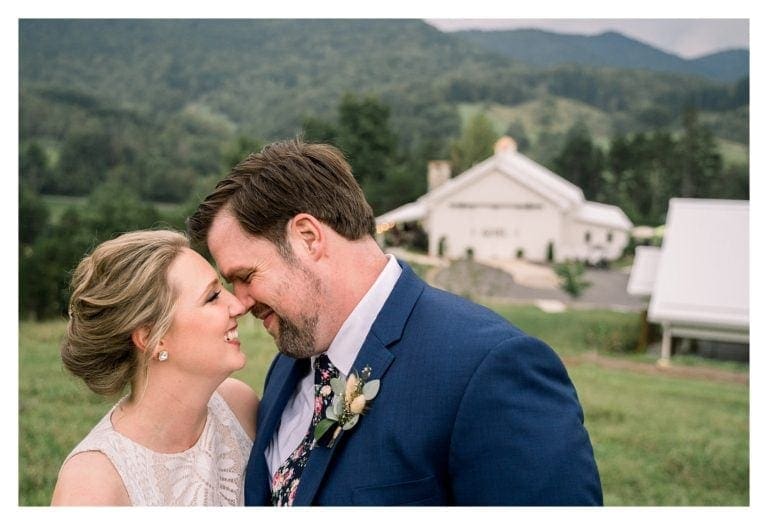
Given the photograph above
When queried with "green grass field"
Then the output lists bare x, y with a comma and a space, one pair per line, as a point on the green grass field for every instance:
658, 441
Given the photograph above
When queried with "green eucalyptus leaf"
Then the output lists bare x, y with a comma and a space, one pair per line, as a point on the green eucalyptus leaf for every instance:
338, 406
330, 414
338, 384
352, 422
322, 427
371, 388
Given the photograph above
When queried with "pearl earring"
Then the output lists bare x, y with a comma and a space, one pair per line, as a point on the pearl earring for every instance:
162, 356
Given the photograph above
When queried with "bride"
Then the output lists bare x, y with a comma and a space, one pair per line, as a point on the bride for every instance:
150, 313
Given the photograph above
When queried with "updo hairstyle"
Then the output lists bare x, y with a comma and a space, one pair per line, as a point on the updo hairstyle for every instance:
120, 287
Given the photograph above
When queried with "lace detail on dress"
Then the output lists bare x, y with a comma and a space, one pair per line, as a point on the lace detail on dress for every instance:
209, 473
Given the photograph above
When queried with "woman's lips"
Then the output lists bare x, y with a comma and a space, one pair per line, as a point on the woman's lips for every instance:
232, 337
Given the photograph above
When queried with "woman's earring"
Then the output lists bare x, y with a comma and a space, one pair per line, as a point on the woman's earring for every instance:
162, 356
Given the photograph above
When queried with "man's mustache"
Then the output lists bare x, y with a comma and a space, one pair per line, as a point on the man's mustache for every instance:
260, 311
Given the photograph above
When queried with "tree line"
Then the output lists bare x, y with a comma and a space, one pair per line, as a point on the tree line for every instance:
641, 172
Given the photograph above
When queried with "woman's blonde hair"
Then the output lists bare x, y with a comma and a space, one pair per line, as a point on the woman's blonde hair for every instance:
120, 287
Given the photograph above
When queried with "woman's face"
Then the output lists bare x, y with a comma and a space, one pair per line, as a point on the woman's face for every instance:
202, 339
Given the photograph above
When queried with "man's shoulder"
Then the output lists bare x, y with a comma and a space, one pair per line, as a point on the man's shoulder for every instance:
447, 308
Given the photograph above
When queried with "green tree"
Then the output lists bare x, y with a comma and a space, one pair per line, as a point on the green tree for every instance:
517, 131
365, 136
700, 162
85, 159
572, 280
106, 215
34, 166
319, 130
581, 161
33, 215
45, 267
237, 151
370, 145
639, 177
734, 183
475, 144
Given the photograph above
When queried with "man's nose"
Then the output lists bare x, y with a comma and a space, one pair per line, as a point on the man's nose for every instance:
242, 294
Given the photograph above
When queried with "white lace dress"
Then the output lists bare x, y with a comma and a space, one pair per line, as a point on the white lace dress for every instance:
209, 473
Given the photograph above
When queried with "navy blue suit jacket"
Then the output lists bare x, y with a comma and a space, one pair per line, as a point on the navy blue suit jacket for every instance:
471, 411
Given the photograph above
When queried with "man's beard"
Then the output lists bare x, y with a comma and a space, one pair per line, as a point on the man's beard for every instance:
297, 341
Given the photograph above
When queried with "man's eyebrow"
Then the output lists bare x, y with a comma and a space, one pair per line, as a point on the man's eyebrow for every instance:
232, 274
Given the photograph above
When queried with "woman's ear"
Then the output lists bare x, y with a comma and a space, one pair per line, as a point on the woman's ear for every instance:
308, 232
140, 337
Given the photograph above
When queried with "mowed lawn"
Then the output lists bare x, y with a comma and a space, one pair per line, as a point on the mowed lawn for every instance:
658, 440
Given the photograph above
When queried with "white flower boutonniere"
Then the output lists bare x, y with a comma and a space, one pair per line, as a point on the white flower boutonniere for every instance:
351, 397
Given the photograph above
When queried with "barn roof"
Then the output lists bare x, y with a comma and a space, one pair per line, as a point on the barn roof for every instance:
604, 215
509, 162
413, 211
519, 168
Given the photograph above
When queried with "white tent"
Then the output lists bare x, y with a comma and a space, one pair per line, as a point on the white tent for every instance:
701, 288
644, 269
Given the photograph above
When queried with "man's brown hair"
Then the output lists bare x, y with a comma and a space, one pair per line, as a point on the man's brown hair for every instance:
267, 189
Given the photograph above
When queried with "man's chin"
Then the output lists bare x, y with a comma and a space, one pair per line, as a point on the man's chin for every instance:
295, 351
291, 340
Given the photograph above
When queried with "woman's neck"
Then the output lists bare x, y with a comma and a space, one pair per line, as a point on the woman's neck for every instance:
163, 416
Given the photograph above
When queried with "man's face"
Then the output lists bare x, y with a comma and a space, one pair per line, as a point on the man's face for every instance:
284, 294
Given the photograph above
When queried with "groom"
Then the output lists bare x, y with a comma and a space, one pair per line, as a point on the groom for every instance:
444, 402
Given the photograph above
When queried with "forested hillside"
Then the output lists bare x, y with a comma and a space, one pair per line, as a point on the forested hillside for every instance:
150, 95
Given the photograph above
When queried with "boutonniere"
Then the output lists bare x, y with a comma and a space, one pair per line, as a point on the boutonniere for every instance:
351, 398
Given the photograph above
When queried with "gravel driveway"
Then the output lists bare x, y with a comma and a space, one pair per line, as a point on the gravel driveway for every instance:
470, 278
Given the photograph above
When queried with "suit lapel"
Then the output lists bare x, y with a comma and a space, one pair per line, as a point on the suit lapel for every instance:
286, 375
386, 330
375, 355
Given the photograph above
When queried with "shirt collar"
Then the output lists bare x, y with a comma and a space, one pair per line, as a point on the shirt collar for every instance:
349, 340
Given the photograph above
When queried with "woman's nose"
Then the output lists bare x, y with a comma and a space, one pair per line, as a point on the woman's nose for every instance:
236, 308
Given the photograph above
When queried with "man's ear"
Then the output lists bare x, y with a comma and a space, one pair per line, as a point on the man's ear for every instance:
140, 336
308, 232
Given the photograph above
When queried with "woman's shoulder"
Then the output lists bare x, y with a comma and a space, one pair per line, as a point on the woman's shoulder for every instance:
89, 478
243, 402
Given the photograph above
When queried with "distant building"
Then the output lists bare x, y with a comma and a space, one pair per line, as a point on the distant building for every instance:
507, 207
698, 282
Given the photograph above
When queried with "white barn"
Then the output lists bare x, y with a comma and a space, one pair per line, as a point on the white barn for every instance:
510, 207
701, 285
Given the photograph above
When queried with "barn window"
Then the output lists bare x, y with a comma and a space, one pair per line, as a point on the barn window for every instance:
587, 236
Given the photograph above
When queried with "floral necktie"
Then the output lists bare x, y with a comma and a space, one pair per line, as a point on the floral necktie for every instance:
286, 479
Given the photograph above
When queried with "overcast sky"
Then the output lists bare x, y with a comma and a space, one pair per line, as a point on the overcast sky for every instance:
661, 23
688, 38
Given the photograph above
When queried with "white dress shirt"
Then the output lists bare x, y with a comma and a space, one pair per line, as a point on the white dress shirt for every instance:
342, 352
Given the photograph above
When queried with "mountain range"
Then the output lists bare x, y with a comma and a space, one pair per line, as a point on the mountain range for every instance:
546, 49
